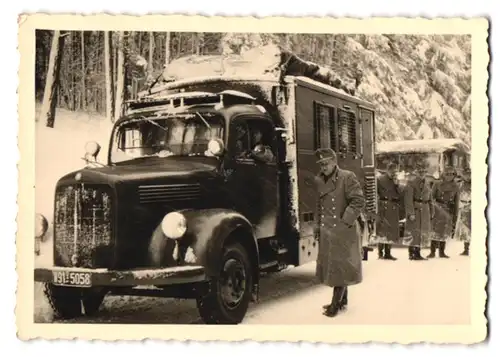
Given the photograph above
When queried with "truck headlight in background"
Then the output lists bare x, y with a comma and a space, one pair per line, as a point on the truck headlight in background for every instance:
174, 225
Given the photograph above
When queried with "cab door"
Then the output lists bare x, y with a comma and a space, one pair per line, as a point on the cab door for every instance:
252, 182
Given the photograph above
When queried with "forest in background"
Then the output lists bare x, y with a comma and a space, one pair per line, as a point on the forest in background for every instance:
420, 84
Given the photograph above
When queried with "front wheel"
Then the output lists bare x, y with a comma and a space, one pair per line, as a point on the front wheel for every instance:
229, 293
68, 302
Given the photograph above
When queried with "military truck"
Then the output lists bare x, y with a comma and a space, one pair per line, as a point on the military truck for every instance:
435, 154
187, 205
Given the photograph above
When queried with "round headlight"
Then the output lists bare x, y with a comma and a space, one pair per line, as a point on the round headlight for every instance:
174, 225
92, 148
215, 147
41, 225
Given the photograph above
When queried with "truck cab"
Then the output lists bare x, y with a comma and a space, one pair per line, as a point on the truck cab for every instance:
207, 183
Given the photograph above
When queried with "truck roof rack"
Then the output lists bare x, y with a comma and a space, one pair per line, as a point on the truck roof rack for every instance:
187, 99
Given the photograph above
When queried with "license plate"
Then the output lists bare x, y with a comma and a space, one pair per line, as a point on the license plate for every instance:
71, 278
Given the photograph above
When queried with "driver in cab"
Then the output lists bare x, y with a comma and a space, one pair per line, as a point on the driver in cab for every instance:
259, 150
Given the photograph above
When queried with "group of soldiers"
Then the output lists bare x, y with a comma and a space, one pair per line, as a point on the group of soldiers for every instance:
423, 214
432, 216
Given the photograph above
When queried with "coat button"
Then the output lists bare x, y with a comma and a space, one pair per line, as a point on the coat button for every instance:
334, 216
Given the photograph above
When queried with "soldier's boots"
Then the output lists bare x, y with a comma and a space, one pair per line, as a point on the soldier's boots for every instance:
343, 303
416, 254
384, 252
466, 249
388, 255
442, 246
339, 302
433, 249
380, 251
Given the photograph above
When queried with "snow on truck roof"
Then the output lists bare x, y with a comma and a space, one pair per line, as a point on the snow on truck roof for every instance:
262, 66
421, 146
257, 79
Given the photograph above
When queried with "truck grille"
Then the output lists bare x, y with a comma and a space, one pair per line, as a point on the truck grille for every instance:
169, 193
370, 192
82, 226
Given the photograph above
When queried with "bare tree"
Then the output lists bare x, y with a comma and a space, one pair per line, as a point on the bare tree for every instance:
151, 50
167, 49
83, 104
108, 78
120, 74
52, 80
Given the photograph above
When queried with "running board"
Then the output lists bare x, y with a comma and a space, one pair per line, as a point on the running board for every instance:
268, 265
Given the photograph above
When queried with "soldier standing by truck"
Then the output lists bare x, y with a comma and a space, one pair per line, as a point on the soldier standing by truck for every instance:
446, 198
340, 201
390, 199
418, 208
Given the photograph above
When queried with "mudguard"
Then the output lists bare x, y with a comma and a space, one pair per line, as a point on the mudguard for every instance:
207, 232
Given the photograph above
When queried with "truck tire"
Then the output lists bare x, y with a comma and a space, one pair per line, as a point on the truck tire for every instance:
92, 300
67, 302
229, 294
64, 301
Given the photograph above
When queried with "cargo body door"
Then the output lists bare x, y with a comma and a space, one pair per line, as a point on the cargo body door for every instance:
367, 122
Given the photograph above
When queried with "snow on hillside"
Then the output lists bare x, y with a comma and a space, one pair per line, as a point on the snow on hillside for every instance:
420, 84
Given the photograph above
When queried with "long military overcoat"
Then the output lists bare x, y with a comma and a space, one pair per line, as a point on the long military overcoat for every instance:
418, 202
465, 215
446, 199
340, 201
390, 201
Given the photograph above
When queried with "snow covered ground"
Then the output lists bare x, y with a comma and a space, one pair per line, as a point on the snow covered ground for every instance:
434, 292
400, 292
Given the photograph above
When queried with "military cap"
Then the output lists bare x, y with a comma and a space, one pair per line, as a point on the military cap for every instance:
324, 154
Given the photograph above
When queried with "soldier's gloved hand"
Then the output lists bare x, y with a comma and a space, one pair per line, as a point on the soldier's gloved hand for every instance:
411, 217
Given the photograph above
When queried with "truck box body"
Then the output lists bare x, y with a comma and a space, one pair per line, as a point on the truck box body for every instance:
326, 117
314, 115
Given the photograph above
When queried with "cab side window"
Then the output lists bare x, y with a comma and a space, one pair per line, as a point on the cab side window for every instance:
253, 140
261, 133
241, 139
262, 141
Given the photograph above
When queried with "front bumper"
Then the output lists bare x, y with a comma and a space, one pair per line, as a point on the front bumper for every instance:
81, 277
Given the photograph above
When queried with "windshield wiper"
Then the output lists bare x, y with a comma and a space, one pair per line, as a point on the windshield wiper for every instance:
154, 123
204, 121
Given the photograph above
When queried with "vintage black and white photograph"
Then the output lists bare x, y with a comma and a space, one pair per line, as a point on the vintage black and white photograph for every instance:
261, 178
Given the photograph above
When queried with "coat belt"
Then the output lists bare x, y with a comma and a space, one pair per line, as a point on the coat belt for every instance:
445, 202
390, 199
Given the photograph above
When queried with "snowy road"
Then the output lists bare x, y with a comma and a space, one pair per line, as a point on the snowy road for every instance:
400, 292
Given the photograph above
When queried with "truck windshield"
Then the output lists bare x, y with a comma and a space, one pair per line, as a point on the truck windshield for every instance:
406, 161
179, 135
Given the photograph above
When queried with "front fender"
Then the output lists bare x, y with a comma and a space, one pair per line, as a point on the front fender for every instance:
207, 232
